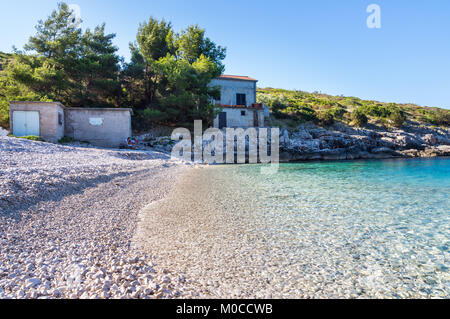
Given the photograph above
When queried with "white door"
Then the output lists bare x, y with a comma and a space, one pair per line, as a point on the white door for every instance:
25, 123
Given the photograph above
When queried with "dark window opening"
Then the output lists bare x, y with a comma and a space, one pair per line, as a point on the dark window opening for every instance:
242, 113
240, 99
60, 119
222, 120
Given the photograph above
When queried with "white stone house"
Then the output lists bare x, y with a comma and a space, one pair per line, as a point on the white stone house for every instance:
237, 102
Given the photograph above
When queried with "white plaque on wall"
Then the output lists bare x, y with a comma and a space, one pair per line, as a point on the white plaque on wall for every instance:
96, 121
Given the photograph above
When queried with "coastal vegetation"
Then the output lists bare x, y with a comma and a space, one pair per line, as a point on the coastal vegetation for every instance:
323, 109
29, 137
165, 82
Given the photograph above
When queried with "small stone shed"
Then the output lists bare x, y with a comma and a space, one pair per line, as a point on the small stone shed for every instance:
51, 121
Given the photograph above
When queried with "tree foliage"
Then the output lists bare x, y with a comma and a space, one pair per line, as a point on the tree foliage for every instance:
397, 117
10, 90
166, 81
359, 118
64, 64
168, 77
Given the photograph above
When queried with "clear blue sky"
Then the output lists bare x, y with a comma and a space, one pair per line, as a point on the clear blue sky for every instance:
310, 45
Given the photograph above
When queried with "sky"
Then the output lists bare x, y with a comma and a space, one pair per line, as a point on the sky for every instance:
309, 45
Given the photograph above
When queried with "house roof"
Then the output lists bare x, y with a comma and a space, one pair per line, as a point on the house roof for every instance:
37, 103
236, 77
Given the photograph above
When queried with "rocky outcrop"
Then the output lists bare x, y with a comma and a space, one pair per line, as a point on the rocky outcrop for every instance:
340, 142
308, 142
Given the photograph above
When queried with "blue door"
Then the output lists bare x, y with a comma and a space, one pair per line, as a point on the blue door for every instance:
25, 123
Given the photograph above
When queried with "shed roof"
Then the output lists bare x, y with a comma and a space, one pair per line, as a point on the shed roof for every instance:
37, 102
101, 109
73, 108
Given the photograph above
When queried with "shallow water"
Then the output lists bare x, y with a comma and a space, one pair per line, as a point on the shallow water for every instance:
356, 229
392, 217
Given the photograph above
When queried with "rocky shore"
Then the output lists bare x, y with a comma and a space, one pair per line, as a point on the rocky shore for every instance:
309, 142
67, 217
340, 142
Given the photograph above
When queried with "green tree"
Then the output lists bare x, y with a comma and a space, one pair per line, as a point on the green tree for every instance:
97, 71
192, 44
154, 41
64, 64
11, 90
188, 92
168, 76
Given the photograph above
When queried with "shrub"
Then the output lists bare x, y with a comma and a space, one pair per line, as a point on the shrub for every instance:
281, 115
66, 140
275, 102
435, 117
337, 112
30, 137
376, 110
325, 118
154, 115
441, 117
306, 114
397, 118
4, 114
358, 117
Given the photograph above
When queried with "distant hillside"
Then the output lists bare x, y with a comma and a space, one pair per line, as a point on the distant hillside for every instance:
4, 58
323, 109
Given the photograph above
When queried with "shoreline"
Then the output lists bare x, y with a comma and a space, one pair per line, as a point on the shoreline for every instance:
342, 160
369, 159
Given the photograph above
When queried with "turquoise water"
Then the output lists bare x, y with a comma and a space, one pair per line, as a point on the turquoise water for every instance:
360, 228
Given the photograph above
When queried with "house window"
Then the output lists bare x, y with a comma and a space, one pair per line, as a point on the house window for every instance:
60, 119
242, 113
240, 99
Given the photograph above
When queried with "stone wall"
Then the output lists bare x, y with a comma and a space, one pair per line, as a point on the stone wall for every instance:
229, 89
103, 127
241, 117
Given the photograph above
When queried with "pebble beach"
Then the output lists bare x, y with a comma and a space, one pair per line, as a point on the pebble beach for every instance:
67, 217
